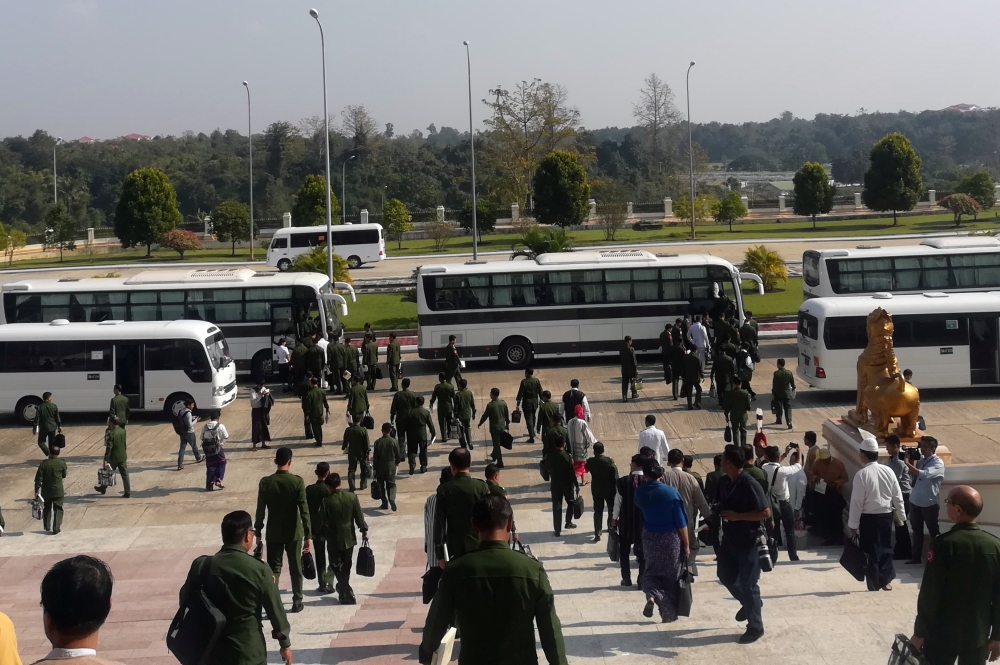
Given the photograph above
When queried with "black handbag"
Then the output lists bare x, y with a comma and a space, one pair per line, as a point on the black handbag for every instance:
309, 429
368, 422
197, 626
506, 440
685, 596
366, 560
378, 372
308, 566
904, 653
59, 441
728, 434
431, 580
613, 545
376, 492
578, 505
515, 416
854, 560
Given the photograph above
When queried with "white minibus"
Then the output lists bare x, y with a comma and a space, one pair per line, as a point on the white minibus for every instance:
358, 243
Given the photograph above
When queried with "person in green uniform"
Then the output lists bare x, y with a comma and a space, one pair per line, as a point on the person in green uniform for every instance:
753, 470
336, 363
242, 588
495, 596
341, 512
603, 475
549, 414
452, 361
351, 361
691, 376
394, 362
737, 405
316, 409
282, 498
402, 402
667, 341
675, 354
386, 456
782, 387
369, 355
688, 466
357, 397
419, 422
444, 396
315, 494
630, 368
115, 455
359, 451
47, 422
549, 440
562, 484
529, 394
492, 475
316, 358
453, 508
958, 608
119, 407
712, 478
49, 486
298, 361
496, 412
465, 410
724, 375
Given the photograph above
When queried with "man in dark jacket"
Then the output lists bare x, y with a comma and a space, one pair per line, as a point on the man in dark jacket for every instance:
691, 375
603, 476
782, 387
562, 484
627, 518
630, 369
315, 494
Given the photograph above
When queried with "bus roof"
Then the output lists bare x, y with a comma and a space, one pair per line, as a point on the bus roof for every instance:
63, 330
322, 228
935, 302
564, 260
933, 246
157, 279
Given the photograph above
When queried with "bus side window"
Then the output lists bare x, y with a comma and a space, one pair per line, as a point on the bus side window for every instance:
279, 243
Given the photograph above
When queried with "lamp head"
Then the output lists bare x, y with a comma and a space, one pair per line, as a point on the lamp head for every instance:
313, 13
692, 64
466, 42
351, 157
245, 84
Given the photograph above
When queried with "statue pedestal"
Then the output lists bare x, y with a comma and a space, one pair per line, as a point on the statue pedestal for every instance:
844, 439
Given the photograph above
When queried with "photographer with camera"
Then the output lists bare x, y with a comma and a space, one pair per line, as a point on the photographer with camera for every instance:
895, 462
928, 473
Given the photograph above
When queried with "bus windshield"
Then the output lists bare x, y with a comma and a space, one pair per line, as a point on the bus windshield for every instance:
218, 350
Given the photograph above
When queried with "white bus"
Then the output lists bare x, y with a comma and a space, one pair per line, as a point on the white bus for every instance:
158, 364
254, 310
358, 243
967, 263
568, 304
949, 340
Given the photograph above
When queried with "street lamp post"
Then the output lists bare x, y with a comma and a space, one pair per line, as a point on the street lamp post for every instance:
343, 190
55, 181
472, 150
250, 140
690, 151
326, 117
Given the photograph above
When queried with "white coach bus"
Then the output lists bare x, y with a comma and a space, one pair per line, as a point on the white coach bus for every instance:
567, 304
949, 340
158, 364
966, 263
254, 310
358, 243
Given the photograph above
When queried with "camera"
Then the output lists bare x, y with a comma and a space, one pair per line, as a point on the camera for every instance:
793, 445
912, 454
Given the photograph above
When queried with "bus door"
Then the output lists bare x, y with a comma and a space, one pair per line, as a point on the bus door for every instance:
129, 372
282, 327
983, 356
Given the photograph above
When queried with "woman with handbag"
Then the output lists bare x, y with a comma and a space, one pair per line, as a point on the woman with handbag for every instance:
581, 440
664, 541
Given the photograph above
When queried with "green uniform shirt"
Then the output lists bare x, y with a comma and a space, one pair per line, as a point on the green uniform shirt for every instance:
356, 442
341, 512
496, 488
282, 496
402, 403
393, 353
498, 596
418, 422
603, 475
959, 600
335, 355
758, 475
298, 357
314, 404
369, 353
453, 514
496, 413
357, 399
242, 587
549, 437
725, 371
630, 366
465, 404
49, 478
529, 392
444, 395
120, 409
315, 359
691, 369
782, 384
351, 359
562, 473
386, 455
315, 494
451, 359
738, 403
114, 446
548, 415
47, 417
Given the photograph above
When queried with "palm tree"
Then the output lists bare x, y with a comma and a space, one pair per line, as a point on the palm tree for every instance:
542, 240
315, 261
767, 264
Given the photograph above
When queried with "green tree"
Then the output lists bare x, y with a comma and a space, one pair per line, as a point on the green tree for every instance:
704, 207
979, 186
813, 191
310, 203
397, 220
315, 261
541, 240
959, 205
60, 230
892, 181
486, 216
612, 211
147, 208
562, 194
11, 241
730, 209
231, 222
766, 264
180, 241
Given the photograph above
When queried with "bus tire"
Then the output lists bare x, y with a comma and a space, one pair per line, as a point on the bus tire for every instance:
261, 365
26, 409
284, 265
175, 403
353, 261
515, 353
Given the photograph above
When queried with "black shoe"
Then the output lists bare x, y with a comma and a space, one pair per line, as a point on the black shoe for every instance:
741, 615
531, 440
751, 636
793, 557
690, 408
348, 600
557, 534
127, 495
499, 465
99, 489
635, 395
569, 525
264, 446
319, 445
698, 405
411, 470
423, 469
392, 504
324, 589
624, 399
638, 582
626, 583
597, 537
647, 611
776, 422
384, 506
297, 607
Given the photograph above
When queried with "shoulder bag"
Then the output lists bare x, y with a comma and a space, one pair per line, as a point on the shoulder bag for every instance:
506, 440
515, 416
308, 566
430, 583
197, 625
366, 560
368, 421
685, 597
854, 560
613, 545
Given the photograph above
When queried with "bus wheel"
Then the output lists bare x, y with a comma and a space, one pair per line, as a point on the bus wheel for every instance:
27, 409
515, 353
284, 265
354, 261
260, 366
175, 404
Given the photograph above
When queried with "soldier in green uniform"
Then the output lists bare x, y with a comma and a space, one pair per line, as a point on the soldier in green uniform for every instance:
562, 484
418, 423
667, 341
444, 395
453, 509
316, 409
691, 376
492, 587
243, 589
549, 440
351, 359
357, 397
282, 497
47, 422
359, 451
492, 475
465, 410
341, 512
298, 361
452, 361
49, 486
724, 372
119, 407
402, 402
496, 412
958, 609
782, 387
369, 354
737, 405
675, 353
316, 358
115, 455
393, 361
386, 456
630, 368
529, 394
549, 414
754, 471
315, 494
603, 475
336, 363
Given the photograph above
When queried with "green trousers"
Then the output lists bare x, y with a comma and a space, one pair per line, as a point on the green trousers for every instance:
322, 571
52, 514
293, 550
352, 467
46, 439
387, 484
453, 375
317, 428
394, 372
341, 562
529, 410
122, 470
444, 429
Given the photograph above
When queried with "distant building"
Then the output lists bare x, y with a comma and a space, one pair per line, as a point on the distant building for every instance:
85, 139
964, 108
137, 137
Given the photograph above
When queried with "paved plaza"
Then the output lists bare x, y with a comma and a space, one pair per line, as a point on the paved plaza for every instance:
814, 612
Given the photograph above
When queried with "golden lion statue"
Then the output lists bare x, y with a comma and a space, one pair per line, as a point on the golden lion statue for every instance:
881, 387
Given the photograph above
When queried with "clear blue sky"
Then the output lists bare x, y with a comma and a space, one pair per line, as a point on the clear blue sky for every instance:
104, 68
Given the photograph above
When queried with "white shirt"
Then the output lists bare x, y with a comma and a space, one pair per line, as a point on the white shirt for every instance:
797, 485
569, 416
697, 335
221, 433
257, 398
655, 439
779, 488
875, 492
322, 343
283, 355
65, 654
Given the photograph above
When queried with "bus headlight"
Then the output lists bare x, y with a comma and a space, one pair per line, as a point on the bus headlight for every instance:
219, 391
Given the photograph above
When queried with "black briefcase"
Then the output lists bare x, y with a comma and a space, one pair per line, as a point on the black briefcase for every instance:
59, 441
309, 429
197, 625
506, 440
578, 507
378, 372
685, 597
308, 566
515, 416
854, 560
366, 560
368, 422
431, 580
376, 492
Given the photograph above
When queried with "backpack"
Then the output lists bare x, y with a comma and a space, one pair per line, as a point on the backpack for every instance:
744, 366
210, 439
178, 423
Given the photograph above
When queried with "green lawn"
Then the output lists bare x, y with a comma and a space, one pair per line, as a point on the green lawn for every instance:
79, 257
385, 311
785, 301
